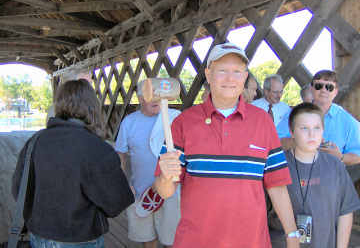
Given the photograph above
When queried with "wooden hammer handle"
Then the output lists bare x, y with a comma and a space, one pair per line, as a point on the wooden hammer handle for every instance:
167, 129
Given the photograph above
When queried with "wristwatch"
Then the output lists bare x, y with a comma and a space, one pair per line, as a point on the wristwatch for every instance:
293, 234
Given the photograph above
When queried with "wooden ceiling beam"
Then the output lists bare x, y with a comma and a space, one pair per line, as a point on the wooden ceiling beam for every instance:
41, 63
61, 57
158, 8
49, 23
47, 5
31, 41
17, 48
24, 54
144, 7
213, 13
20, 30
64, 8
68, 33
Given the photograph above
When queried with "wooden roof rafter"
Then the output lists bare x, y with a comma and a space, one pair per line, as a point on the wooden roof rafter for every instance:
184, 24
64, 8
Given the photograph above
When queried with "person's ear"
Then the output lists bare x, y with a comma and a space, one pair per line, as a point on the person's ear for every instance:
336, 89
207, 74
291, 132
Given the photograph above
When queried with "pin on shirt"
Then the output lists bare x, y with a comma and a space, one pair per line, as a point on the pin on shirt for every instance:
208, 121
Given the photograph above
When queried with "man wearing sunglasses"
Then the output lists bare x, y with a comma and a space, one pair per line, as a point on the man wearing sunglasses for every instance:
341, 136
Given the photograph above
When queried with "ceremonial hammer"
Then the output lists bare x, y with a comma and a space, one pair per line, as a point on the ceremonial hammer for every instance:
163, 89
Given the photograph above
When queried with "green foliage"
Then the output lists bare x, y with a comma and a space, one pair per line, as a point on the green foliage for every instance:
291, 94
42, 96
22, 87
265, 69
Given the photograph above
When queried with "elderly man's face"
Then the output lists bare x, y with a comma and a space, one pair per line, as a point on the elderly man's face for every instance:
273, 95
149, 108
324, 91
226, 77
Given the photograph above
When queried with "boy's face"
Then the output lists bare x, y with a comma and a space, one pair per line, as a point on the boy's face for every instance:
308, 131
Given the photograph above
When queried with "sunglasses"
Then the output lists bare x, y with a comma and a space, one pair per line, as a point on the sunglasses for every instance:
319, 86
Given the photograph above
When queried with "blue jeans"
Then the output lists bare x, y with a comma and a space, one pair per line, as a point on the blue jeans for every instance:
38, 242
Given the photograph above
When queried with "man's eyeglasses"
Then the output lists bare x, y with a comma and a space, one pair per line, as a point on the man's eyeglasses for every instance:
318, 86
236, 74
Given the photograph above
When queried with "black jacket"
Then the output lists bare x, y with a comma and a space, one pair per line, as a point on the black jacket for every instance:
75, 184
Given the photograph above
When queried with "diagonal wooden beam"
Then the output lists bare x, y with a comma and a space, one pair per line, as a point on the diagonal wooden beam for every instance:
144, 7
61, 57
263, 27
134, 79
342, 31
216, 12
308, 37
279, 47
219, 37
142, 17
68, 32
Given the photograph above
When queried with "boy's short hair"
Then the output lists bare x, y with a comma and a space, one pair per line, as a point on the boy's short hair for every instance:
305, 107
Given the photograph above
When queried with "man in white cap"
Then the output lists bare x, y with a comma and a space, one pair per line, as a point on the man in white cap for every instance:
228, 150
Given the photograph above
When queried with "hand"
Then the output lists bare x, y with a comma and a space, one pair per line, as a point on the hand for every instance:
292, 243
170, 165
332, 149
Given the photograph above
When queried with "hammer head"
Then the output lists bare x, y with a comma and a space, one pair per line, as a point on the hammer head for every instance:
154, 89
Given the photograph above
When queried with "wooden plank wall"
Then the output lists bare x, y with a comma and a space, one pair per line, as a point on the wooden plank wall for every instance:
350, 12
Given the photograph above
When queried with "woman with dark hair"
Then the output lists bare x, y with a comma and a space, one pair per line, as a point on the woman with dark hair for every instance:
252, 89
75, 180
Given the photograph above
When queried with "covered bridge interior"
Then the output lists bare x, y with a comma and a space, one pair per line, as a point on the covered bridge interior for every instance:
107, 41
98, 40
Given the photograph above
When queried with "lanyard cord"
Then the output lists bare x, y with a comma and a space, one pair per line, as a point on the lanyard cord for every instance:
308, 181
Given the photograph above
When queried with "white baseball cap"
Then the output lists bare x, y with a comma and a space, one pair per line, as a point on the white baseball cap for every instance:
221, 50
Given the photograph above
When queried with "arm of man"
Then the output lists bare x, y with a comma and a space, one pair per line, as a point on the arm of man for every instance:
170, 167
125, 166
281, 202
124, 158
350, 159
347, 158
344, 230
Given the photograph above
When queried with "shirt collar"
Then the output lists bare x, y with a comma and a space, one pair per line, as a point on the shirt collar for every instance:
333, 110
210, 109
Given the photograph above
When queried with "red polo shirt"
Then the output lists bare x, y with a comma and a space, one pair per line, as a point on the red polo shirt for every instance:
227, 163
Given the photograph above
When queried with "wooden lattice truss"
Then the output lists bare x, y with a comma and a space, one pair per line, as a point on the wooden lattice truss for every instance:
216, 20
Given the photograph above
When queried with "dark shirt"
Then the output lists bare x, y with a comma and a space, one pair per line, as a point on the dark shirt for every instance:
75, 184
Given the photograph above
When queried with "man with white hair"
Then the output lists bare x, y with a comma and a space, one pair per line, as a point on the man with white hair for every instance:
273, 90
227, 152
141, 137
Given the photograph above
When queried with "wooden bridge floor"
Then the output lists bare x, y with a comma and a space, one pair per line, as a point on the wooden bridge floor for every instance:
117, 236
